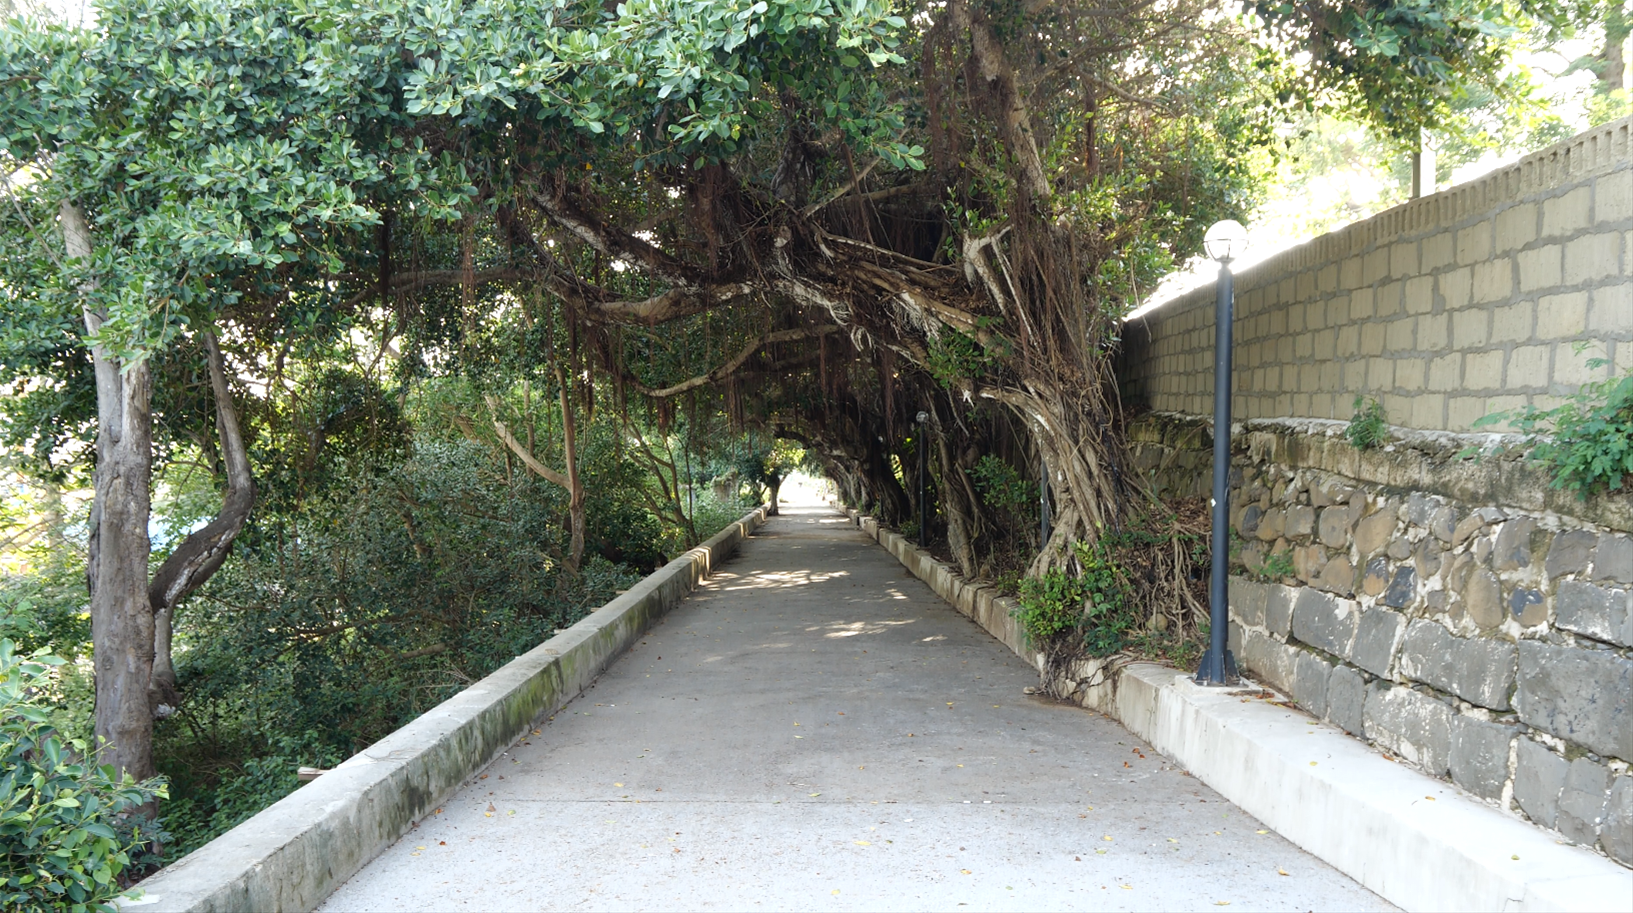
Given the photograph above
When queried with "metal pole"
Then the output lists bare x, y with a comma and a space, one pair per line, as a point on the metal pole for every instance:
1043, 498
924, 506
1214, 663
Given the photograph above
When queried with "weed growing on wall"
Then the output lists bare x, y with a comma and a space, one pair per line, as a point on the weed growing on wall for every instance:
1368, 427
1585, 442
1276, 567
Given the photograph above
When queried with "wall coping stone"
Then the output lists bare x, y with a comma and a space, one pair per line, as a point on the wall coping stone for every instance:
1423, 461
293, 854
1601, 149
1360, 813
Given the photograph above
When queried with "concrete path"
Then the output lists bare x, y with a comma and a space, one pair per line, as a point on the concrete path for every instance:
815, 729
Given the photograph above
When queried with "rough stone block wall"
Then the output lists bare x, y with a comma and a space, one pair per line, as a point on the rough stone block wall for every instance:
1445, 309
1458, 613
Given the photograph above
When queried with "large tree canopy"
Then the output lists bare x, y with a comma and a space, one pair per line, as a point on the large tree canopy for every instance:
821, 216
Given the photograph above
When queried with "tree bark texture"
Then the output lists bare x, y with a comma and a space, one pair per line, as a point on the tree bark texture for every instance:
121, 617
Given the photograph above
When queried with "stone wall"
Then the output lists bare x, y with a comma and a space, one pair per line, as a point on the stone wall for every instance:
1456, 612
1445, 309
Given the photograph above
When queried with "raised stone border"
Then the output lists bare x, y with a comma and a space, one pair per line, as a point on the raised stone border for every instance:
1416, 841
293, 854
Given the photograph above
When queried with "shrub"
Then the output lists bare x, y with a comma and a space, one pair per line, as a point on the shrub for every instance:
1091, 609
1587, 441
1368, 427
65, 825
1002, 487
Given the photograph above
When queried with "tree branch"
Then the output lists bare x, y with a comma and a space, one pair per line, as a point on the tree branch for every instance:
737, 361
618, 245
1014, 118
527, 458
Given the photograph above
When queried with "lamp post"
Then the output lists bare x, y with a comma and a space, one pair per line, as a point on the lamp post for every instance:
923, 420
1225, 241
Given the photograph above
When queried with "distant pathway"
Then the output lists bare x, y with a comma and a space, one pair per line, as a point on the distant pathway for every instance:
815, 729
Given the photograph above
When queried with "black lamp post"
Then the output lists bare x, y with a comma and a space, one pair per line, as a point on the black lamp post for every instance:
923, 419
1225, 242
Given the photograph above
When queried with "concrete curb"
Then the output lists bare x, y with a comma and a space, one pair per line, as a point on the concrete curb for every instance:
291, 855
1418, 842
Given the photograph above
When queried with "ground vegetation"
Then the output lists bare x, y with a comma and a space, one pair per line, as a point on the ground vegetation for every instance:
427, 325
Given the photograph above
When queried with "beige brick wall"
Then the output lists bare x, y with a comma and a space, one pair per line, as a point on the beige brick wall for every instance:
1447, 308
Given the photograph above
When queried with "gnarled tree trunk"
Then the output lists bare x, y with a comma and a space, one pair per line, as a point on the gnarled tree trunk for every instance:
203, 552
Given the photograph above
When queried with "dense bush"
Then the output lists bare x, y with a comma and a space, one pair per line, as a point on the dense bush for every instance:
1090, 611
65, 825
342, 621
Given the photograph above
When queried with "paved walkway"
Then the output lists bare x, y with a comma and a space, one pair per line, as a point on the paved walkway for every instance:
815, 729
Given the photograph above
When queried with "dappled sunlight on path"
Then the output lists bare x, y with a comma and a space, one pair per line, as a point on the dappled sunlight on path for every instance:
814, 728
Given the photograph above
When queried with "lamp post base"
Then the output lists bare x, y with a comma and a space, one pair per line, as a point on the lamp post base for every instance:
1208, 673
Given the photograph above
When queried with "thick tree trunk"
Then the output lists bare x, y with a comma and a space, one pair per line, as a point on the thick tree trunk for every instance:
121, 618
774, 484
961, 505
202, 553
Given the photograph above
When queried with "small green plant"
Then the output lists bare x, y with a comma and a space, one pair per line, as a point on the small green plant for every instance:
1277, 567
954, 358
65, 832
1586, 441
1368, 427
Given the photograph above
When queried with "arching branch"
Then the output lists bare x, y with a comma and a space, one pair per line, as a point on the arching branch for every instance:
204, 550
737, 361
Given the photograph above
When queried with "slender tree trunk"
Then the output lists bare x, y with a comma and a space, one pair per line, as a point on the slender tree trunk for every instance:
121, 618
575, 487
1618, 24
202, 553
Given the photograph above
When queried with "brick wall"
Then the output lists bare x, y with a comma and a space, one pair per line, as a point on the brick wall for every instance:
1446, 308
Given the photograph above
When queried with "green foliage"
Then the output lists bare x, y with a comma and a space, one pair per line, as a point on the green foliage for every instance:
1399, 64
197, 819
1001, 485
1091, 607
1586, 441
336, 623
1276, 567
955, 359
1368, 427
61, 842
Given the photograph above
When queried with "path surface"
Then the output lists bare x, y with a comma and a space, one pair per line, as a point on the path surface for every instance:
815, 729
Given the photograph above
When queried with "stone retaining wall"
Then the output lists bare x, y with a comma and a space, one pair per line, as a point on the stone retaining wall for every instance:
1450, 854
1454, 611
1446, 308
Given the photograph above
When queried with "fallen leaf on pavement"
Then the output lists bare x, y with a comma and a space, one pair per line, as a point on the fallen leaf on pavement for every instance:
1281, 871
